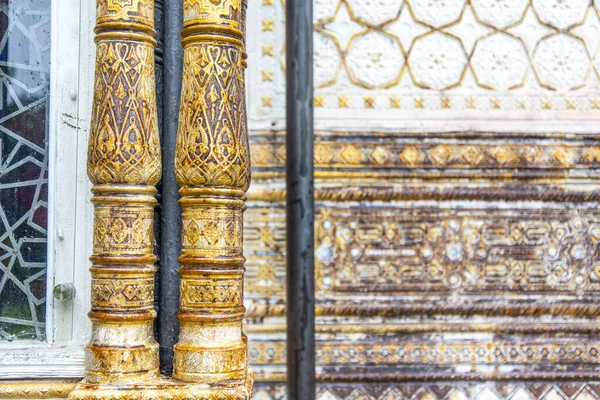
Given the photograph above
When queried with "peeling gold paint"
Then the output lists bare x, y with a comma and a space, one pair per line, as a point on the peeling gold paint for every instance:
36, 389
121, 360
212, 165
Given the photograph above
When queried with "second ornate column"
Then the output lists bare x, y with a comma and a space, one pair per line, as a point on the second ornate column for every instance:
213, 169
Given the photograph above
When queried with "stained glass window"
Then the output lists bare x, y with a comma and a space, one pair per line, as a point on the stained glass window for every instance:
24, 86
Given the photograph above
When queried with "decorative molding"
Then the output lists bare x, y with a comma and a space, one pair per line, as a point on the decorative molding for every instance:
324, 326
411, 350
36, 389
436, 154
371, 190
463, 390
537, 177
435, 307
42, 363
449, 390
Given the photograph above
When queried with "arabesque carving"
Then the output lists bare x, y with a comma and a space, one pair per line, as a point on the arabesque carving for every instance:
212, 164
124, 165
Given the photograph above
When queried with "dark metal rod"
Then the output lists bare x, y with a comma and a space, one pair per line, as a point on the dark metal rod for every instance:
300, 202
158, 69
170, 246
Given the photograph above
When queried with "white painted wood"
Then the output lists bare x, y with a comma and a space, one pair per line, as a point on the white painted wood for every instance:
84, 209
42, 362
62, 190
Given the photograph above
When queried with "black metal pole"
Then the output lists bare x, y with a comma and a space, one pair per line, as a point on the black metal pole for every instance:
300, 202
158, 71
170, 247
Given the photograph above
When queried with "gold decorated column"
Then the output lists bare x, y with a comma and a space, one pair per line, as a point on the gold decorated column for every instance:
124, 167
213, 169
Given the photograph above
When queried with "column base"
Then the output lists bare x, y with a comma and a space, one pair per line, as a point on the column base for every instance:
165, 388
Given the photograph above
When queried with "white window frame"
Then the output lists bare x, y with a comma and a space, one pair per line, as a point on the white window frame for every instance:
70, 213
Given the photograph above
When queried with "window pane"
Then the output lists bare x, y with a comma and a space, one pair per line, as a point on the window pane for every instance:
24, 85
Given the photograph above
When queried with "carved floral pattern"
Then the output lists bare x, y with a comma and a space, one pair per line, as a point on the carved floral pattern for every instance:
124, 145
212, 165
123, 164
212, 141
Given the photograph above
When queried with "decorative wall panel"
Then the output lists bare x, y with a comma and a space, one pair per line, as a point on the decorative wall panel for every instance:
397, 248
404, 63
24, 85
457, 220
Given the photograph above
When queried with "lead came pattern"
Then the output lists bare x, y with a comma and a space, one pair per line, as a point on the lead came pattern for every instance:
470, 60
24, 85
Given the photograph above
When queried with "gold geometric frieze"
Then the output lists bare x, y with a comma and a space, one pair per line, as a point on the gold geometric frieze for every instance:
124, 293
395, 248
128, 230
528, 390
214, 228
369, 153
36, 389
413, 351
214, 292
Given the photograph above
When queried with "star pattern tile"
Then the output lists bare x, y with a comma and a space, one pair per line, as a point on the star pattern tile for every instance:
343, 27
469, 29
530, 30
589, 31
440, 56
406, 28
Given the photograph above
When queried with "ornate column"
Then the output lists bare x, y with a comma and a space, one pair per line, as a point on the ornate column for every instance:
124, 167
212, 164
213, 169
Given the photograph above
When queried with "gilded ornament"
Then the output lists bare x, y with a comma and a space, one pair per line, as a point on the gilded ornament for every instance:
212, 165
36, 389
124, 166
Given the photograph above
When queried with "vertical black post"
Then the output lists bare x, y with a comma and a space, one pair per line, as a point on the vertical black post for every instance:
170, 246
300, 202
158, 72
